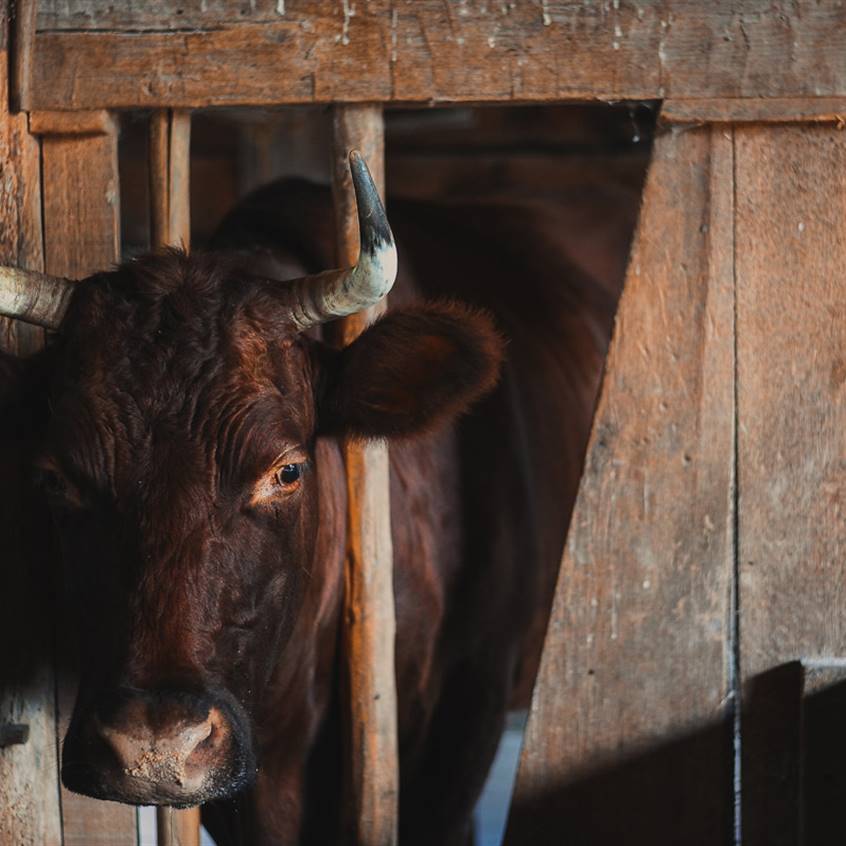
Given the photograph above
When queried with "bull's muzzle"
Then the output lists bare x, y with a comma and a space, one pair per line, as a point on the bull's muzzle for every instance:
158, 748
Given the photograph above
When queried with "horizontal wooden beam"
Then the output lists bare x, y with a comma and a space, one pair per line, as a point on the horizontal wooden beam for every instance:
99, 54
757, 110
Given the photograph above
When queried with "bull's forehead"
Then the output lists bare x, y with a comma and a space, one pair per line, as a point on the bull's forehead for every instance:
172, 365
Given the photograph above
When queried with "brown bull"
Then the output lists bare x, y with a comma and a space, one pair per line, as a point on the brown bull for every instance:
186, 429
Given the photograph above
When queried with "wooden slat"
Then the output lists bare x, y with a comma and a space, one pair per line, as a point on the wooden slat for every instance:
29, 796
170, 174
368, 588
178, 828
628, 739
81, 236
159, 168
791, 336
81, 202
757, 110
170, 225
105, 54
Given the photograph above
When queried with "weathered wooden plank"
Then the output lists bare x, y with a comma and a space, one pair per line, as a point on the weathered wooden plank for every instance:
757, 110
29, 796
791, 338
81, 229
23, 45
159, 173
81, 202
98, 122
170, 175
178, 828
369, 622
122, 55
628, 736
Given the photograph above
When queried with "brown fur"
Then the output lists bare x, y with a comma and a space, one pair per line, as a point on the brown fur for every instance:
178, 382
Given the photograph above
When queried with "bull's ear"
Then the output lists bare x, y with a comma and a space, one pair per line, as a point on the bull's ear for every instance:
409, 372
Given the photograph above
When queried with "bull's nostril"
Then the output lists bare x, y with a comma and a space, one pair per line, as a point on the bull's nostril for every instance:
180, 755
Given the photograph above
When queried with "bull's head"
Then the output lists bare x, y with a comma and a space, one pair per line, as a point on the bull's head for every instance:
182, 461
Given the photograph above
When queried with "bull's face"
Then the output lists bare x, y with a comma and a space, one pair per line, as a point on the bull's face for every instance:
181, 466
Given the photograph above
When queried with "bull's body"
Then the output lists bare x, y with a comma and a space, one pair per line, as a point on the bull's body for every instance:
478, 508
478, 516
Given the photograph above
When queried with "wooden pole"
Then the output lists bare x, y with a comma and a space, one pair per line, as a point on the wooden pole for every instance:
369, 623
178, 828
23, 50
170, 176
170, 225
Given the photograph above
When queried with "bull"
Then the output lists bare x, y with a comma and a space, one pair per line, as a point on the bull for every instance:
186, 425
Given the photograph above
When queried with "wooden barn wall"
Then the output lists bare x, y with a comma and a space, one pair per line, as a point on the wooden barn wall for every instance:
29, 795
630, 713
97, 53
704, 569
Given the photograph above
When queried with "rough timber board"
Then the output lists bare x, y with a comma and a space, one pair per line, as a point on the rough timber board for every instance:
791, 302
95, 53
628, 738
81, 237
81, 200
29, 796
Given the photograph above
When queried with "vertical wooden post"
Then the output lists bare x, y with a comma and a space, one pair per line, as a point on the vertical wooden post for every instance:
170, 225
178, 827
81, 236
791, 375
24, 47
170, 178
369, 599
29, 796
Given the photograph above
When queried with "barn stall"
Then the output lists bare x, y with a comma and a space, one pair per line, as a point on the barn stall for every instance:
691, 681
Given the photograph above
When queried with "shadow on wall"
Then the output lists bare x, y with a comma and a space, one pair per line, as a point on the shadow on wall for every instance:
793, 778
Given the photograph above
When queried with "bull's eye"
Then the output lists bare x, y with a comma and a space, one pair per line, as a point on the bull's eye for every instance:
289, 475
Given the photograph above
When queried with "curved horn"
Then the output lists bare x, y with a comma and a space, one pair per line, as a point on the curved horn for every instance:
34, 297
337, 293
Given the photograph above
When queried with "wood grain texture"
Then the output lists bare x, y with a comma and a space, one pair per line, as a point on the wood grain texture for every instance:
369, 621
159, 173
102, 54
29, 797
23, 47
628, 738
178, 828
81, 203
791, 221
170, 179
81, 208
757, 110
98, 122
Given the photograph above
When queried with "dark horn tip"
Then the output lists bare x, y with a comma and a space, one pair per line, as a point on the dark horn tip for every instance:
377, 232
